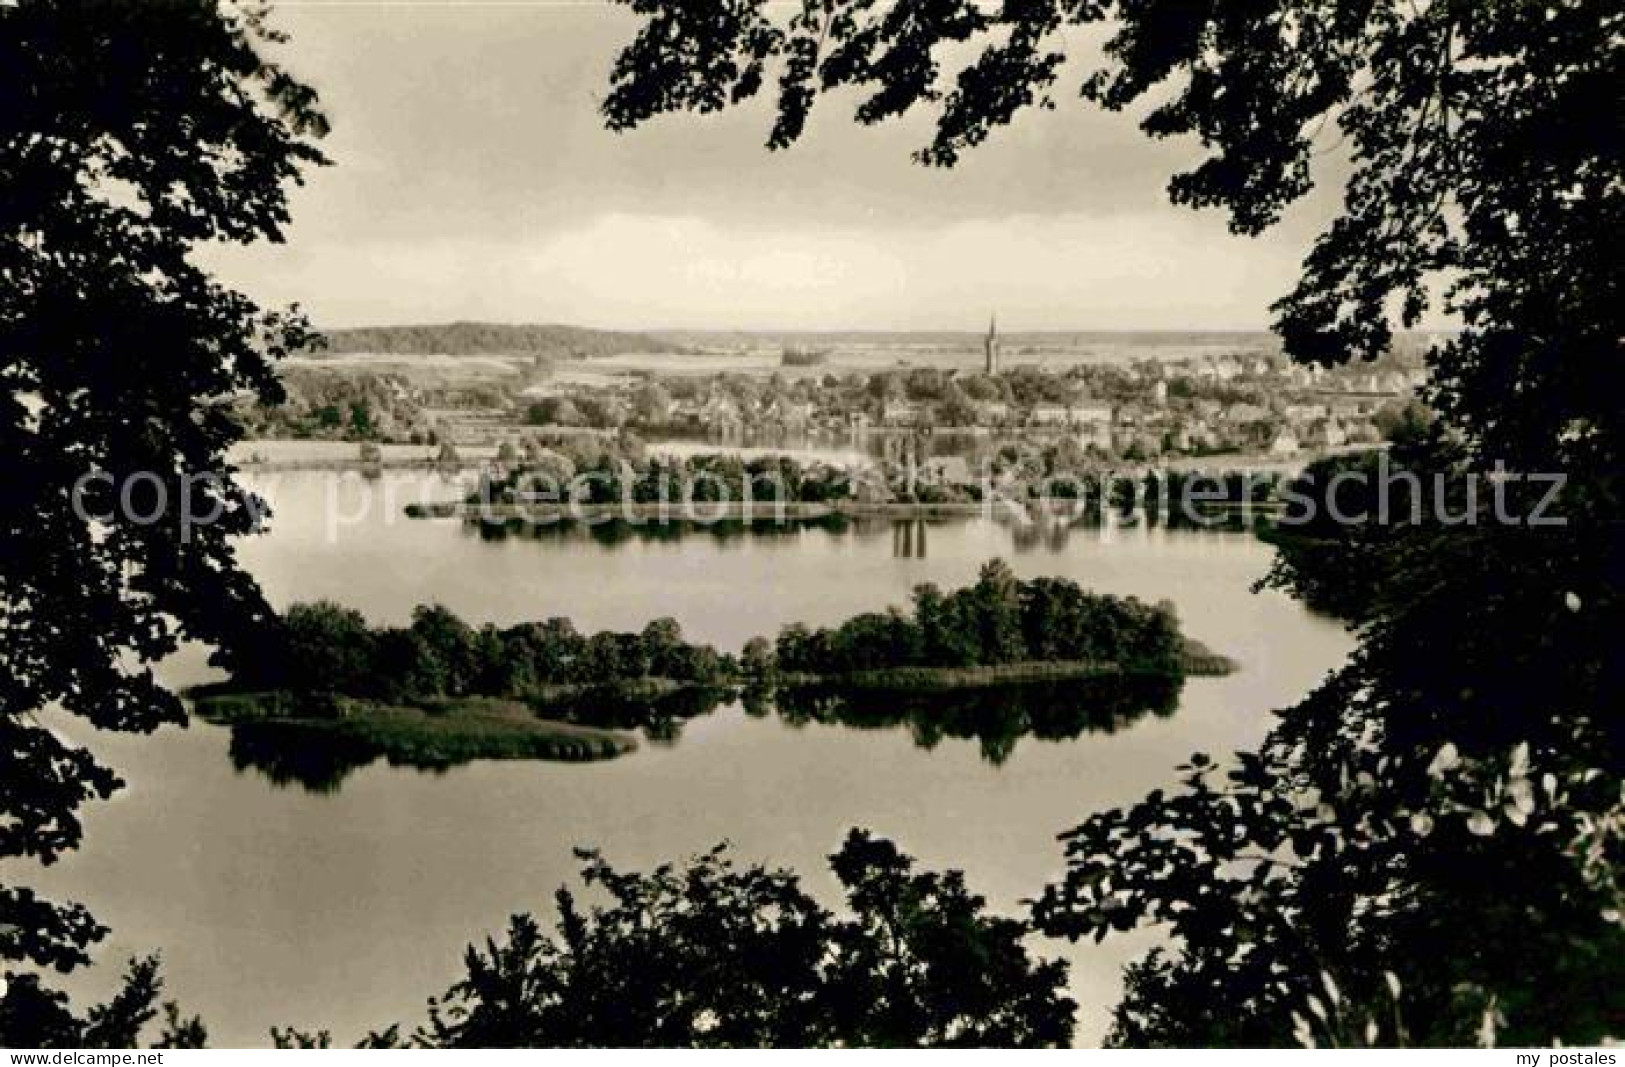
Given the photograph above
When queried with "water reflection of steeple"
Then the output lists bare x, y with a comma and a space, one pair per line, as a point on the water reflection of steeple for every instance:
908, 539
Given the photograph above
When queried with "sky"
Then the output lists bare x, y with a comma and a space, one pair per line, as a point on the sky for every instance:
473, 179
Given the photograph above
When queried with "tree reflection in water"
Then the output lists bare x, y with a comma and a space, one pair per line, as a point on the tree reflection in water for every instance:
1031, 529
997, 718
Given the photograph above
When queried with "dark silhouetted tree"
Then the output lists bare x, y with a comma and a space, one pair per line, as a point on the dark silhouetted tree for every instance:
130, 134
33, 1015
710, 954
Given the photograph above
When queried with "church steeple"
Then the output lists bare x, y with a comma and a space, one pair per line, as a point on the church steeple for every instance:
991, 344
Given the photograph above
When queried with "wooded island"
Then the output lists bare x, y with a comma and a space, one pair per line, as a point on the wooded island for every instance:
439, 691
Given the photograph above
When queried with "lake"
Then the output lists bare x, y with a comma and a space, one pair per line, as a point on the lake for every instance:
275, 905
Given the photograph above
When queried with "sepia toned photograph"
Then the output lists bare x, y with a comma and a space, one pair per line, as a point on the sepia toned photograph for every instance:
778, 524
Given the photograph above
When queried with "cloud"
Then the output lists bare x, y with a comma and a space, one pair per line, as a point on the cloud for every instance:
474, 179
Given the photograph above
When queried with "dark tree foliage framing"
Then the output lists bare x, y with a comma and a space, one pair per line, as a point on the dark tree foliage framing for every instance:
130, 133
709, 954
32, 1015
1428, 848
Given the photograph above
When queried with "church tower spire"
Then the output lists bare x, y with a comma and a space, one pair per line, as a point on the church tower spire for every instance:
991, 344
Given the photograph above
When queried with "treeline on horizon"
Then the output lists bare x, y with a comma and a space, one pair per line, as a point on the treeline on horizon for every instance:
1000, 620
492, 339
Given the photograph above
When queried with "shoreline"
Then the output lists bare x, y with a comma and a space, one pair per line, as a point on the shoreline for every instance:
695, 511
451, 730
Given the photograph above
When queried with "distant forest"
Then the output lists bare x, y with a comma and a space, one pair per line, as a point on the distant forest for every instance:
493, 339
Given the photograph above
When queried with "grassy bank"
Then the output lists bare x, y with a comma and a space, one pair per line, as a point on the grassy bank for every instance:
438, 734
1197, 660
930, 679
676, 511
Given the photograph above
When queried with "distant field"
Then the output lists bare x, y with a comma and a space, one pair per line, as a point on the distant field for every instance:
452, 731
323, 455
713, 353
760, 360
586, 355
469, 350
1060, 340
385, 361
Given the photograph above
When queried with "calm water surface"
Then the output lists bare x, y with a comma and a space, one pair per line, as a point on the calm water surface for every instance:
344, 911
